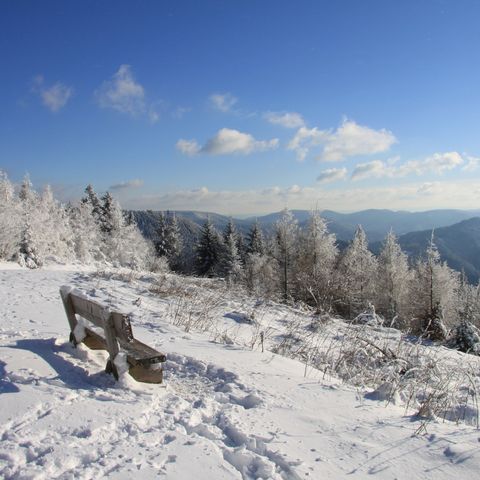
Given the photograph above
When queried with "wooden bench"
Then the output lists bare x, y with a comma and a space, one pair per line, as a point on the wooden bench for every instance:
113, 333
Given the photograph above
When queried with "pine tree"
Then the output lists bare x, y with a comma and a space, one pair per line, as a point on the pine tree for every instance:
10, 224
28, 252
316, 261
169, 242
162, 246
111, 217
393, 280
286, 237
435, 288
231, 263
208, 250
255, 241
357, 271
93, 201
87, 236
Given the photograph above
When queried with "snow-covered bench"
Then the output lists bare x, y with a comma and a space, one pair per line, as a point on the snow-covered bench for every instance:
110, 331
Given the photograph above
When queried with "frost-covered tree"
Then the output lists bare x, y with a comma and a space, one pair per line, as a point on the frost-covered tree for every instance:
231, 262
123, 244
28, 252
285, 253
94, 203
162, 247
316, 260
356, 275
255, 240
168, 241
87, 237
54, 233
393, 281
208, 250
10, 222
111, 217
435, 287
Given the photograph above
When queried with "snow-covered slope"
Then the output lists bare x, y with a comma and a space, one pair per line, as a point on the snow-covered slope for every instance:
224, 411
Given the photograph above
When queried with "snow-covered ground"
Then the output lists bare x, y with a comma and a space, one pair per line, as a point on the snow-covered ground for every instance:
225, 410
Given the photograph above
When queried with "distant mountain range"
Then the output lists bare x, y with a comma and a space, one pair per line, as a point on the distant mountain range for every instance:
457, 232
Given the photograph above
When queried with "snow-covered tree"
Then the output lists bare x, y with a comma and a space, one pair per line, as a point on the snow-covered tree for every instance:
285, 250
316, 259
208, 250
123, 243
356, 275
168, 241
435, 288
10, 221
28, 252
393, 281
94, 202
255, 240
87, 236
54, 233
231, 262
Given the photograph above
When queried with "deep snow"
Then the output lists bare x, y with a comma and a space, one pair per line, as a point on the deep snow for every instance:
224, 411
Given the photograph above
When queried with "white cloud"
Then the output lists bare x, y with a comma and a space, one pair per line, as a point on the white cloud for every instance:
285, 119
351, 139
332, 175
122, 93
226, 142
54, 97
348, 140
305, 139
135, 183
188, 147
222, 102
438, 163
375, 168
472, 165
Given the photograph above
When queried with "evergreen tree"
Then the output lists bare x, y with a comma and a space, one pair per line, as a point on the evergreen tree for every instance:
435, 284
28, 252
87, 236
169, 240
393, 280
10, 225
357, 271
111, 218
93, 201
162, 246
208, 250
175, 242
255, 241
231, 263
318, 252
286, 237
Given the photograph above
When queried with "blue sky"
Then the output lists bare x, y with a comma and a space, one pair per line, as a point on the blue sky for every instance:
245, 107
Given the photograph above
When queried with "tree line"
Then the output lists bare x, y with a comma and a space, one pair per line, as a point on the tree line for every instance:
293, 264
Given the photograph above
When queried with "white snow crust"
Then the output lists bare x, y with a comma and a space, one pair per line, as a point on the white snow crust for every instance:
225, 411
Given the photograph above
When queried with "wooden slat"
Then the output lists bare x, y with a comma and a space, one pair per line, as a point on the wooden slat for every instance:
92, 311
141, 353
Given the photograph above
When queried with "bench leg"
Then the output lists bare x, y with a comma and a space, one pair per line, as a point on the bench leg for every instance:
111, 368
73, 340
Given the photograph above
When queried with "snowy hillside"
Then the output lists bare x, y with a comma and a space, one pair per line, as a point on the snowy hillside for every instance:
226, 409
